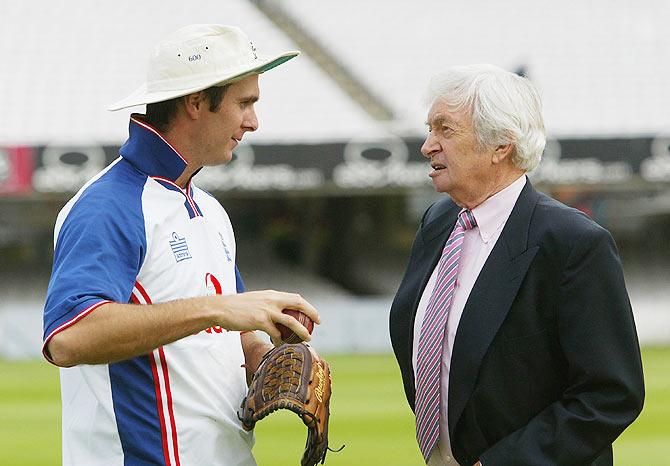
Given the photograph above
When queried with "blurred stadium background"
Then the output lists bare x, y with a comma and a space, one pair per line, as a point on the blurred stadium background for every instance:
327, 195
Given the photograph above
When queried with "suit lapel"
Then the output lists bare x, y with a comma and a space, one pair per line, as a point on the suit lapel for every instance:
489, 302
434, 236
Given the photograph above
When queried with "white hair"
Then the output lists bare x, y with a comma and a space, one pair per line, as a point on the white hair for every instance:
505, 108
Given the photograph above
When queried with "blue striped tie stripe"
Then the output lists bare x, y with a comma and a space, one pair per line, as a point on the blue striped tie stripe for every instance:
429, 355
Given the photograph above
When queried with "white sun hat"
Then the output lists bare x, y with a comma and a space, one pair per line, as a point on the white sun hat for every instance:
196, 57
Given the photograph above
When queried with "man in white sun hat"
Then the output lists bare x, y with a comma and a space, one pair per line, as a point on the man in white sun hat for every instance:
146, 311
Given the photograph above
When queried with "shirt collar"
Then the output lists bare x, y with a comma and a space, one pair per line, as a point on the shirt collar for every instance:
150, 152
492, 214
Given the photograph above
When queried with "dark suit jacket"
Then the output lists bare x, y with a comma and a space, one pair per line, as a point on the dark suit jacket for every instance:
546, 366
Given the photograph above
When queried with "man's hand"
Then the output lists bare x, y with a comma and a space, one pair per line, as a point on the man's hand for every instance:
261, 310
254, 349
115, 332
293, 377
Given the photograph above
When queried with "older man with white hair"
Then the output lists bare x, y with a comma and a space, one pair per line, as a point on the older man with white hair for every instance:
146, 310
512, 326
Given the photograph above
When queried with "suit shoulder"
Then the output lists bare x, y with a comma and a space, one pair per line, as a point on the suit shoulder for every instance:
557, 221
437, 209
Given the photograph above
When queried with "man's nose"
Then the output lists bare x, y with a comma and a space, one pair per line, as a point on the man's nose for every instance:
250, 123
430, 146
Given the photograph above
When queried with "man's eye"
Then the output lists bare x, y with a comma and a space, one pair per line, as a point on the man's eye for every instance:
447, 129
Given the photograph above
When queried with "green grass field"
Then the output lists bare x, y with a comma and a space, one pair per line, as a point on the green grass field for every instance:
369, 415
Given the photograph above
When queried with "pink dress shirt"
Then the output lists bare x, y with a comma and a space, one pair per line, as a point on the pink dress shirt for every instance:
491, 216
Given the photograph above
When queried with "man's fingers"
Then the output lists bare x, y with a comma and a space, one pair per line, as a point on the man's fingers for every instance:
299, 303
274, 333
285, 300
294, 325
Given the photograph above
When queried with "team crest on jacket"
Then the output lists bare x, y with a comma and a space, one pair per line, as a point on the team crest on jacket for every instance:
179, 248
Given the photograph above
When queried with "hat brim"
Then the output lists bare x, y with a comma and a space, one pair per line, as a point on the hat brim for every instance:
142, 96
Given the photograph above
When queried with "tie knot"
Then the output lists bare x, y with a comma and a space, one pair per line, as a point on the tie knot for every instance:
467, 220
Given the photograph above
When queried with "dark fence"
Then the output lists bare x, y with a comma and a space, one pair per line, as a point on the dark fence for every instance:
355, 166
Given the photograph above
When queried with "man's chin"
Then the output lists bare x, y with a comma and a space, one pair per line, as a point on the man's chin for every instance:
440, 187
228, 157
221, 160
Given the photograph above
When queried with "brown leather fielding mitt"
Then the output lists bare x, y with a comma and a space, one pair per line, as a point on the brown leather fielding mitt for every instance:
294, 377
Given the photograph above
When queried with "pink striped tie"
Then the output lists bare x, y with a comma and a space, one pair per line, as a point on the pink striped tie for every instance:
429, 356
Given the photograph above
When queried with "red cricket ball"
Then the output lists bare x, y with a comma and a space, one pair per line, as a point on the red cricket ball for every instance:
287, 335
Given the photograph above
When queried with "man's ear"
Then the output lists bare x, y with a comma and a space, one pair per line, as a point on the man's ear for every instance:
194, 104
502, 153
